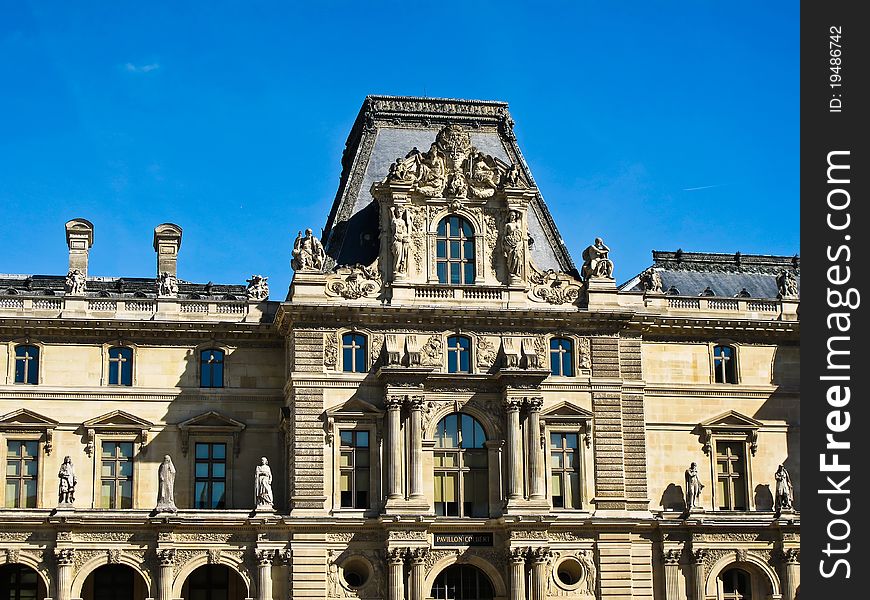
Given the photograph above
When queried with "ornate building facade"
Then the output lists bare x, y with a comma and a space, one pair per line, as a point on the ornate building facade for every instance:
448, 406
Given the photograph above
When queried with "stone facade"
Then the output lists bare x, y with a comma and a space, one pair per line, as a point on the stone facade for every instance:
444, 400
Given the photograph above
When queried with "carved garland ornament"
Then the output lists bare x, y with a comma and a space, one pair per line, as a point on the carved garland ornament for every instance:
330, 350
553, 288
354, 282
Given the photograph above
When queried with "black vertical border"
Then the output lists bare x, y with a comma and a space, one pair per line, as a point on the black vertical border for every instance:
824, 131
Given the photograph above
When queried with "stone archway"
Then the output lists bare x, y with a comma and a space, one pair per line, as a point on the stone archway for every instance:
114, 582
214, 582
21, 582
462, 581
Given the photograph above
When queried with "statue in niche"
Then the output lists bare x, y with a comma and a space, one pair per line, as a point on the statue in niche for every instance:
66, 491
258, 287
786, 284
651, 281
401, 224
166, 486
596, 264
75, 283
514, 239
308, 253
167, 285
263, 484
784, 491
693, 487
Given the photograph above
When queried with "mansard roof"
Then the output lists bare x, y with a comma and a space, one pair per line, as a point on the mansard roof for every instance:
725, 275
389, 127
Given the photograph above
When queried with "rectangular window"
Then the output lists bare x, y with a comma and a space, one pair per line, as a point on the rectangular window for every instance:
731, 476
211, 364
27, 364
565, 470
120, 366
116, 475
22, 468
210, 475
354, 467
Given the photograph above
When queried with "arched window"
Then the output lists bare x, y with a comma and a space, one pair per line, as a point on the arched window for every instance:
458, 354
462, 582
736, 585
562, 357
211, 368
724, 364
455, 251
353, 353
461, 467
120, 366
18, 582
26, 364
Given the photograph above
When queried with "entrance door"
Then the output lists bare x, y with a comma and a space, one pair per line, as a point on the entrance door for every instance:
462, 582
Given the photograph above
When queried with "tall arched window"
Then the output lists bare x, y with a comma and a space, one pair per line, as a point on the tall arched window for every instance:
27, 364
120, 366
724, 364
458, 354
455, 251
736, 585
353, 353
211, 368
461, 467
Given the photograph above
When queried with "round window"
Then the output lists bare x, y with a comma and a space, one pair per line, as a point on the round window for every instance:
570, 573
356, 573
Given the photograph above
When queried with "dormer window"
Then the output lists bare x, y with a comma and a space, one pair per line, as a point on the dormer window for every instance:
455, 251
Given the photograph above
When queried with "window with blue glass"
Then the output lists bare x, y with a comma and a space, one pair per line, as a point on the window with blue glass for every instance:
353, 353
120, 366
724, 364
562, 357
461, 467
454, 259
211, 368
27, 364
458, 354
210, 486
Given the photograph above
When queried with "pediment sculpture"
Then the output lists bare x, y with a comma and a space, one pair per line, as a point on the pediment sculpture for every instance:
553, 287
354, 282
452, 167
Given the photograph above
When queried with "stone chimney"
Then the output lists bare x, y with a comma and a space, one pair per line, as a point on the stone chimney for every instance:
167, 242
79, 239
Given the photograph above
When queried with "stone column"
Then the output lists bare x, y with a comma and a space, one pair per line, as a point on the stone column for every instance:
540, 561
416, 462
518, 573
65, 559
166, 556
418, 573
671, 558
791, 559
394, 441
698, 577
395, 565
514, 449
536, 453
264, 574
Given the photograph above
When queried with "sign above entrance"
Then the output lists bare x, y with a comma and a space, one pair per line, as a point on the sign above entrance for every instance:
463, 539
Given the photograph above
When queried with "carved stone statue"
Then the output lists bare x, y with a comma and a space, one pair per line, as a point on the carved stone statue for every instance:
75, 283
401, 225
263, 485
308, 253
651, 281
786, 284
66, 490
167, 285
258, 287
514, 242
784, 498
693, 487
512, 176
166, 486
596, 264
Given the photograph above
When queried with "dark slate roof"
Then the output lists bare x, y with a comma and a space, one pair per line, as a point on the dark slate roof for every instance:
388, 127
691, 273
116, 287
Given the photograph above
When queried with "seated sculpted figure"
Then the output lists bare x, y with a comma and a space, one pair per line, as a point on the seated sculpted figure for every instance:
596, 264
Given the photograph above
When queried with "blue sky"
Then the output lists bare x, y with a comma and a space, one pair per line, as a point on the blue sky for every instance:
655, 125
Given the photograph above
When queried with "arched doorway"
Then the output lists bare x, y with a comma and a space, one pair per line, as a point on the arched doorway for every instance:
214, 582
114, 582
19, 582
462, 582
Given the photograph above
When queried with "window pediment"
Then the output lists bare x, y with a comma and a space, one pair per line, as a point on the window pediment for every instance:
27, 421
211, 422
116, 422
730, 423
568, 415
